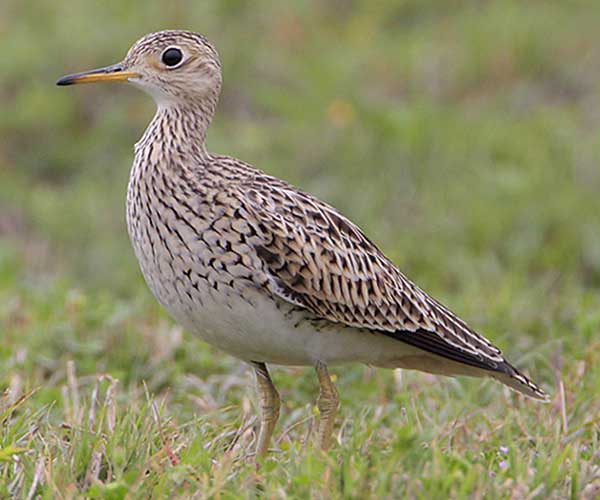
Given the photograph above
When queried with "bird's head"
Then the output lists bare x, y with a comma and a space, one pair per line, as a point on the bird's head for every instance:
172, 66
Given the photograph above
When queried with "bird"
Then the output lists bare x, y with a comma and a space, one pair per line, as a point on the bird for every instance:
260, 269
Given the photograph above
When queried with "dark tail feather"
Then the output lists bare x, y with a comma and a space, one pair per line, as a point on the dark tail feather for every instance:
513, 378
501, 370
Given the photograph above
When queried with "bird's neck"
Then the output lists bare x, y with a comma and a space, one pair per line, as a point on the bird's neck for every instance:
178, 129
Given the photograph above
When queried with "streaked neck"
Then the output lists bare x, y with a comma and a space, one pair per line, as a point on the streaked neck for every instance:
178, 129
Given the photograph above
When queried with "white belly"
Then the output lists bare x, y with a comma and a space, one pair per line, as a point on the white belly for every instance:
260, 329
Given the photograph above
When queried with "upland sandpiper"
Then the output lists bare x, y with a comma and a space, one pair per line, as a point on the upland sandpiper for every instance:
260, 269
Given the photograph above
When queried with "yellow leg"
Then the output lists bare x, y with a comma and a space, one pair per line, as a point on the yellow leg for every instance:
269, 407
328, 404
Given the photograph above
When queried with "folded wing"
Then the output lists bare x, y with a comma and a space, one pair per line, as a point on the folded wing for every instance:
321, 261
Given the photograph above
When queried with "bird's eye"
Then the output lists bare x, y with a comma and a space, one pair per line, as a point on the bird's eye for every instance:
172, 56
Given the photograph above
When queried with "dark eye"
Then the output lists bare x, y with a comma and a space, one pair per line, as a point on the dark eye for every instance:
172, 56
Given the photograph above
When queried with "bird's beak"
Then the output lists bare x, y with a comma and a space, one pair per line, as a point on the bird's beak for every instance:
114, 73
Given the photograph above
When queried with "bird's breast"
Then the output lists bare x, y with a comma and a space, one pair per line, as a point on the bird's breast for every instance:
188, 248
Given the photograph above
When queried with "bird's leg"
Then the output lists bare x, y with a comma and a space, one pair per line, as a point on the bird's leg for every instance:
328, 405
269, 406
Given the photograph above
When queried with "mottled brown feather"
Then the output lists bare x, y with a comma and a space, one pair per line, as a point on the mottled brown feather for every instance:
319, 260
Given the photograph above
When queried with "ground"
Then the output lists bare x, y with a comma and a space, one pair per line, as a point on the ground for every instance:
462, 136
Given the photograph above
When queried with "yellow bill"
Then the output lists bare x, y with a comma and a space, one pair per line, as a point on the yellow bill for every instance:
114, 73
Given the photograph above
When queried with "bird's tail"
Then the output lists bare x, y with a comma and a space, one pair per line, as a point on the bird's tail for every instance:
514, 379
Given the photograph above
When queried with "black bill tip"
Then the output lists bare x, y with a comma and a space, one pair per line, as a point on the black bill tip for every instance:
65, 80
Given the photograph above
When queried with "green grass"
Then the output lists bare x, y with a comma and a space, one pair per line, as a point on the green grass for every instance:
462, 136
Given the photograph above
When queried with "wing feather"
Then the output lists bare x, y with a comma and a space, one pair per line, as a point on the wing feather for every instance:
319, 260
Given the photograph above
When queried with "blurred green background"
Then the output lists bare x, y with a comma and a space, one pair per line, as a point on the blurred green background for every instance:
462, 136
